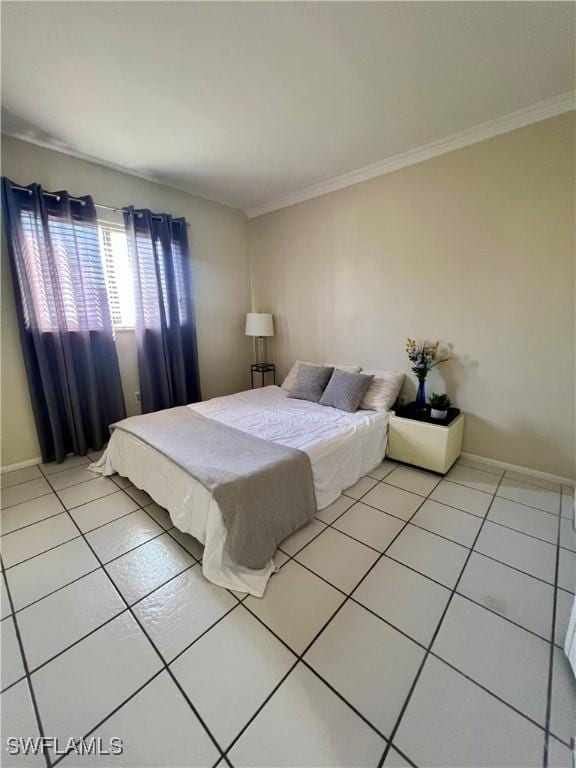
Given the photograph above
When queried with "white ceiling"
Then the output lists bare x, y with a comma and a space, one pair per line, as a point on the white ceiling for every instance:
248, 102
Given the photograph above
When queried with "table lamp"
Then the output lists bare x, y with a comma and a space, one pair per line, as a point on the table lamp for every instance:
259, 325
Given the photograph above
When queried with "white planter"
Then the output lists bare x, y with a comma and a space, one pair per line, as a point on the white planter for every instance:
440, 415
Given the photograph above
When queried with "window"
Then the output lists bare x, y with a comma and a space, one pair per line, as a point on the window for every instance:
118, 273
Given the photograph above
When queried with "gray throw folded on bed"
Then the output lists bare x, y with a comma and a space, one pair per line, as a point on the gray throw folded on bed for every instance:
265, 491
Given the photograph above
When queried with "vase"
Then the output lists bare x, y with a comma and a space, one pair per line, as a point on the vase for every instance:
421, 394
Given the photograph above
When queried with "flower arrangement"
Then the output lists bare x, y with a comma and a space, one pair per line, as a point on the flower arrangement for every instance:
423, 357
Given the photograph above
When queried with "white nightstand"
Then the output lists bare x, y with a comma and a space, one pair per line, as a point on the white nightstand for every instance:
430, 446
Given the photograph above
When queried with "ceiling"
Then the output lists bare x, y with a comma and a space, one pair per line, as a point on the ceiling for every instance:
249, 102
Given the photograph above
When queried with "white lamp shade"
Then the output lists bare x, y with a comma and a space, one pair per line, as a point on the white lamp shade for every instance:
259, 324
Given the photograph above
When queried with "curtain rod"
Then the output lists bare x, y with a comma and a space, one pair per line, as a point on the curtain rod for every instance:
78, 200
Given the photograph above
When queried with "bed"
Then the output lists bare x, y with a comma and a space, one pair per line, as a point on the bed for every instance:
342, 447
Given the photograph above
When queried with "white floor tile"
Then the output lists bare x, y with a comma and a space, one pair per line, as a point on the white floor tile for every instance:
99, 673
512, 594
462, 497
393, 500
51, 625
29, 512
139, 496
473, 478
305, 724
121, 535
525, 519
537, 558
373, 527
567, 534
563, 711
464, 727
71, 477
230, 671
407, 600
16, 494
19, 476
88, 491
371, 664
429, 554
11, 666
334, 510
18, 721
564, 603
148, 567
567, 506
279, 560
531, 495
301, 537
71, 462
296, 605
35, 578
414, 480
177, 613
5, 608
161, 515
157, 728
360, 488
37, 538
104, 510
190, 544
567, 570
395, 760
504, 658
337, 558
451, 523
380, 472
559, 756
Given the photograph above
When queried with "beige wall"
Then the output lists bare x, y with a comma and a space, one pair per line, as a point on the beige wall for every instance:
475, 248
220, 271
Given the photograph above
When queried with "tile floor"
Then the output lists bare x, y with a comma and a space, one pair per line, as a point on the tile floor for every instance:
418, 621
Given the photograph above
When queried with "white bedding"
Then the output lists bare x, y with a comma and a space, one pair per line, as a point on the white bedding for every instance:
342, 447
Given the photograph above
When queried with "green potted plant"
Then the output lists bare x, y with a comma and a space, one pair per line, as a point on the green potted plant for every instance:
439, 404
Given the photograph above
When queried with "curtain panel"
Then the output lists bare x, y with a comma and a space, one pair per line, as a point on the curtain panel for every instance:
64, 318
165, 324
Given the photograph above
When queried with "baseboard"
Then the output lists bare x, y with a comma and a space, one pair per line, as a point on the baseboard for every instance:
20, 465
517, 468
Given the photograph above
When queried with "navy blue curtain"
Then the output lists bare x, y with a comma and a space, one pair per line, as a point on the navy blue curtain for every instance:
64, 318
165, 325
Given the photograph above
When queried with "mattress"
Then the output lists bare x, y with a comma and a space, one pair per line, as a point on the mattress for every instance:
342, 447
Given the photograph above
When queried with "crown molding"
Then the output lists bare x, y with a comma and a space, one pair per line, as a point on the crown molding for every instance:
510, 122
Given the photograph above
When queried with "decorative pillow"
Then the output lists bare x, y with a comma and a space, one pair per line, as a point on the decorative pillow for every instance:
310, 382
288, 382
383, 391
290, 379
345, 390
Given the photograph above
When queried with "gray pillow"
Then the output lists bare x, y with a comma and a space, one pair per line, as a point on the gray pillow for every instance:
346, 390
310, 382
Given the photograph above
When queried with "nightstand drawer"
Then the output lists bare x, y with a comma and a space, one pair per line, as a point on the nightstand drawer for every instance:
425, 445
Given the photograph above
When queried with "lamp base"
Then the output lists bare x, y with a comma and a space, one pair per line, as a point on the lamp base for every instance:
260, 349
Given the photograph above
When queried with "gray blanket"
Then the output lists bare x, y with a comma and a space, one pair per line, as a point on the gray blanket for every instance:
264, 490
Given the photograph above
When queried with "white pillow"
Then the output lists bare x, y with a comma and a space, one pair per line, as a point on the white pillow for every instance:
383, 391
288, 382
